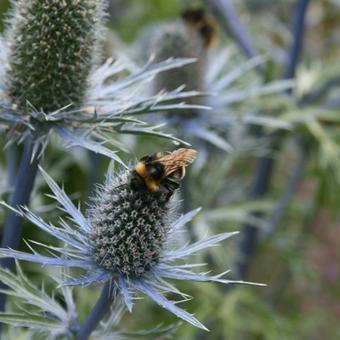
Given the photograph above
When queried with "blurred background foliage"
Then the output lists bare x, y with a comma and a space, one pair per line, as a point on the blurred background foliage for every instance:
297, 256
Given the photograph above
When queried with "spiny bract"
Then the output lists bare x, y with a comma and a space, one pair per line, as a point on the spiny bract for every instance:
52, 45
129, 226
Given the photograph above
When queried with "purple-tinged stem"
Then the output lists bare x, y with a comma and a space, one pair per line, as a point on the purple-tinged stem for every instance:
225, 10
264, 171
101, 308
24, 183
297, 44
11, 163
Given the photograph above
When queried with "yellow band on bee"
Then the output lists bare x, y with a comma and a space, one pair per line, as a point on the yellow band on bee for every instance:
150, 183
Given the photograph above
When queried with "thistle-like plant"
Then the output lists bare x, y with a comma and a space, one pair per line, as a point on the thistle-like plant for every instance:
52, 46
52, 80
181, 41
129, 239
53, 85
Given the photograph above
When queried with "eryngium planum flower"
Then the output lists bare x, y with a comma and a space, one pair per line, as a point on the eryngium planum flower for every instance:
52, 49
129, 227
131, 235
186, 38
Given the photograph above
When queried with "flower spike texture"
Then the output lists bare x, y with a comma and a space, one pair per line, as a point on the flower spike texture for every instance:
130, 236
52, 54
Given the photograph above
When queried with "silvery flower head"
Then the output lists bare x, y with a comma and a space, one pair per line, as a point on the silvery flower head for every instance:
131, 235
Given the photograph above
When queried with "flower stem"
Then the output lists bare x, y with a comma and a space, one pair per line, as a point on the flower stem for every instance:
265, 168
11, 160
24, 184
232, 23
298, 33
102, 307
248, 243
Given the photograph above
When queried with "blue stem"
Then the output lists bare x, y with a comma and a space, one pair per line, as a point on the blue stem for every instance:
234, 25
264, 171
11, 162
247, 247
24, 184
101, 308
298, 32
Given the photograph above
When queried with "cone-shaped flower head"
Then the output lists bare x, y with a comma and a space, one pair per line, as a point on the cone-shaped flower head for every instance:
131, 236
134, 212
52, 47
188, 38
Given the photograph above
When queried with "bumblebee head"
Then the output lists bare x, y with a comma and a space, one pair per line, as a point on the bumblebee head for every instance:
194, 15
201, 22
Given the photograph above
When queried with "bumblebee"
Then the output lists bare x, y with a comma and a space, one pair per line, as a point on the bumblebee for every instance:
198, 19
162, 171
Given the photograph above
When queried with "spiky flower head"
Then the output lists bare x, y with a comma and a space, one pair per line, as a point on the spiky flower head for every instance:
52, 47
131, 236
134, 211
129, 226
179, 40
186, 38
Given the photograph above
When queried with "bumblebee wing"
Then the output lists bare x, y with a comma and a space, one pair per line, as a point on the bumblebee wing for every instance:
179, 159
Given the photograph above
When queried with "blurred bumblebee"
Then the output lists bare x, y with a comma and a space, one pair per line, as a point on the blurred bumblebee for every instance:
201, 22
162, 171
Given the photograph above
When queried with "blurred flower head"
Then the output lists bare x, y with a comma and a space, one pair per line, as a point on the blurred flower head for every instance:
231, 86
